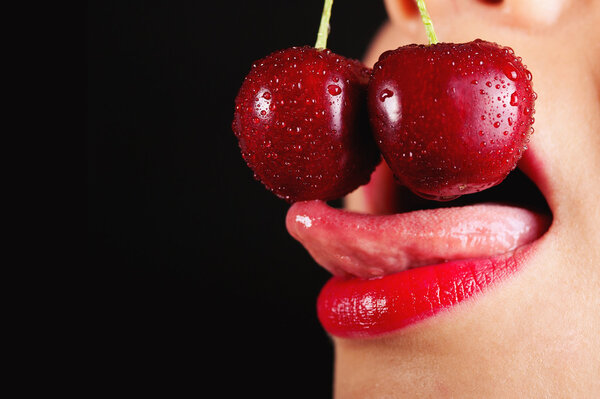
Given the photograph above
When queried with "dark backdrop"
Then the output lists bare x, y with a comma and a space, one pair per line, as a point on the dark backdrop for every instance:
201, 285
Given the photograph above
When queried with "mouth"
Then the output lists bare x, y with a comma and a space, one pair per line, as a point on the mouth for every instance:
397, 259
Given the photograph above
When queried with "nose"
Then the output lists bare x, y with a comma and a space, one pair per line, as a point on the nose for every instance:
526, 14
532, 13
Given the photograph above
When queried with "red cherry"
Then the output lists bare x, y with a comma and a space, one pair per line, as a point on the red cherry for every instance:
451, 119
300, 119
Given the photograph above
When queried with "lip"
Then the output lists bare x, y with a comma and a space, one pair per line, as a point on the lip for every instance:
390, 271
360, 308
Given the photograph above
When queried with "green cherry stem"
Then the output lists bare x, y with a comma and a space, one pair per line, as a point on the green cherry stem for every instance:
427, 22
321, 43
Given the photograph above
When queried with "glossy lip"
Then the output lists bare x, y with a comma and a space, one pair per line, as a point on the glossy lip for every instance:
361, 308
379, 291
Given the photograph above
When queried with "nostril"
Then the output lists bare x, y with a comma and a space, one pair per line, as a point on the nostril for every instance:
400, 11
410, 7
491, 1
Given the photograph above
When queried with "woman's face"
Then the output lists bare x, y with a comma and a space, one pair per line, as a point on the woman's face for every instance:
535, 334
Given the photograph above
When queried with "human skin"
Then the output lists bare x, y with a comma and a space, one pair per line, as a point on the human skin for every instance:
537, 334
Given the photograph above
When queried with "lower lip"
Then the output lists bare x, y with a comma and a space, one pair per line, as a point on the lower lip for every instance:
360, 308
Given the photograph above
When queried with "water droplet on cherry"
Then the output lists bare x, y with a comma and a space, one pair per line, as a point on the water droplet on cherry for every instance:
385, 94
334, 90
510, 71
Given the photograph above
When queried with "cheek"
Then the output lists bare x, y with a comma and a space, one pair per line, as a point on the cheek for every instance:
567, 132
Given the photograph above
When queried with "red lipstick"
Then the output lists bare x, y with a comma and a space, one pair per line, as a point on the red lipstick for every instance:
355, 307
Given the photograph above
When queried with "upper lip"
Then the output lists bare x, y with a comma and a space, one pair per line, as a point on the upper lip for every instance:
363, 245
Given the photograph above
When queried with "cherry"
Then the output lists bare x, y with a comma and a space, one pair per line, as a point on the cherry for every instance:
451, 119
302, 125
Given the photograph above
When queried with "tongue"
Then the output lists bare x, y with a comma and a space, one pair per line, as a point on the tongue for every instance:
348, 243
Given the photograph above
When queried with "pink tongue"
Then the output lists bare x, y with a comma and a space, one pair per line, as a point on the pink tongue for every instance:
348, 243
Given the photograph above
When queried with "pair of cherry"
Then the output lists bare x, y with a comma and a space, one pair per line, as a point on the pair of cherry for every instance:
449, 119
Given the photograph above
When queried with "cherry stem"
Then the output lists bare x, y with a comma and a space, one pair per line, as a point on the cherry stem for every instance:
321, 43
427, 22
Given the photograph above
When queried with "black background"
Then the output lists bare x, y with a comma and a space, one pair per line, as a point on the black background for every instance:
202, 286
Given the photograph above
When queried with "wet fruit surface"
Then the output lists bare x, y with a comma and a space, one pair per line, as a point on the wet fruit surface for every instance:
451, 119
302, 125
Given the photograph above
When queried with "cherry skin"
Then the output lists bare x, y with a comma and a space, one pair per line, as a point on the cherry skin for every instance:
451, 119
302, 124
